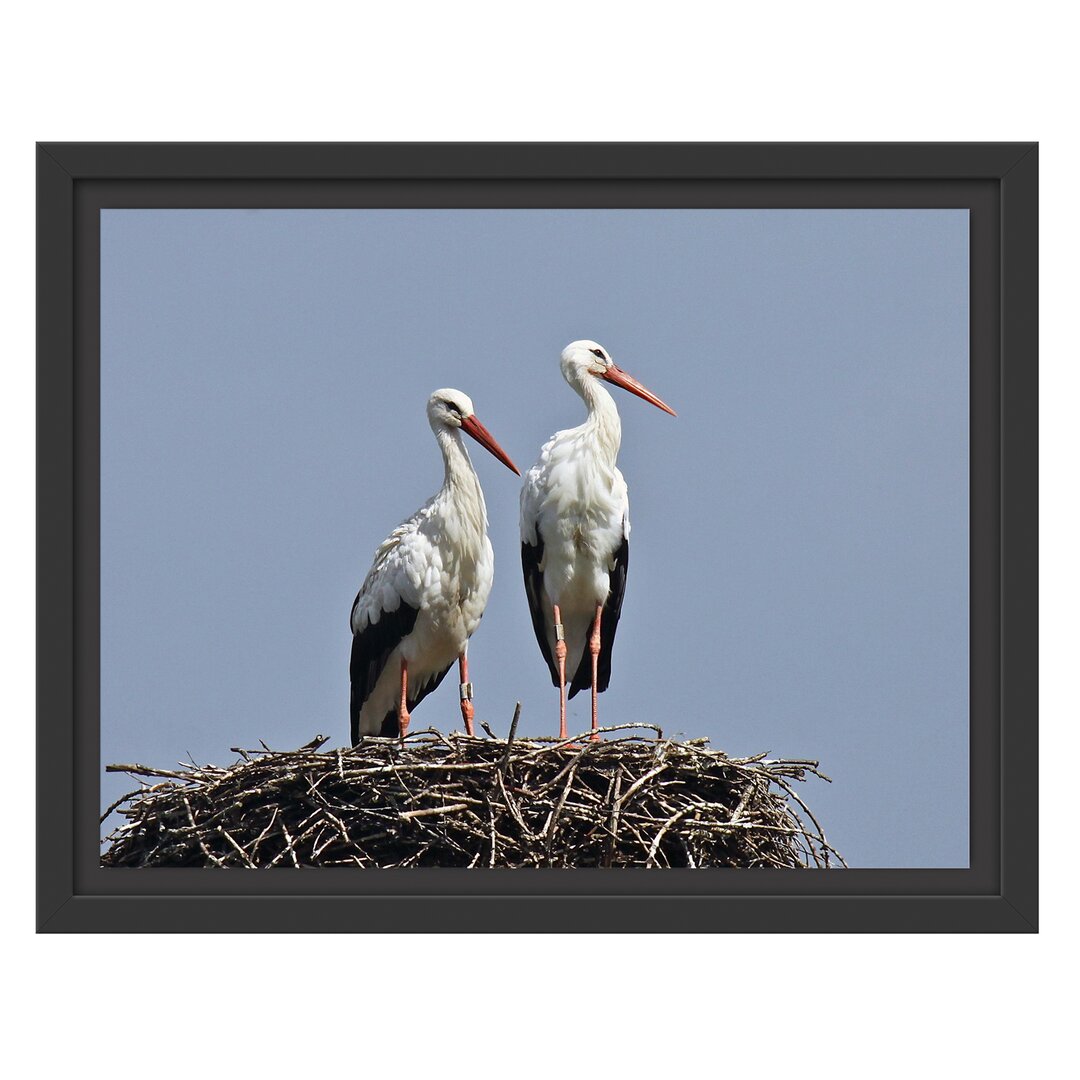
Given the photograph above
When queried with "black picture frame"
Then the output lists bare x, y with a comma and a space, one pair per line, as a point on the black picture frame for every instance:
998, 182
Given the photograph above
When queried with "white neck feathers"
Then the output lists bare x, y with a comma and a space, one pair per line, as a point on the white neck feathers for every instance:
461, 485
603, 423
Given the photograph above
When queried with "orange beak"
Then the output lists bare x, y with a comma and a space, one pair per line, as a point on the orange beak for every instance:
471, 426
616, 375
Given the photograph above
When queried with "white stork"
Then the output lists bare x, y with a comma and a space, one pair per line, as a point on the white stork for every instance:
575, 531
427, 588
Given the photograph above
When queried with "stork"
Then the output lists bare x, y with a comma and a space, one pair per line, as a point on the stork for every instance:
575, 531
427, 588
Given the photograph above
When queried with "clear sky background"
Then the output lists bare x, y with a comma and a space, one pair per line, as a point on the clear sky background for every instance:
798, 575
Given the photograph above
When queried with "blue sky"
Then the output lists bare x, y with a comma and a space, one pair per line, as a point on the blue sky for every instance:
798, 575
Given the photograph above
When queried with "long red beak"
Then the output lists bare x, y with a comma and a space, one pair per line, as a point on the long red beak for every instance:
471, 426
616, 375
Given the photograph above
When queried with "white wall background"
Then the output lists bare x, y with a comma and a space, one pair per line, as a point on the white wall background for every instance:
935, 1005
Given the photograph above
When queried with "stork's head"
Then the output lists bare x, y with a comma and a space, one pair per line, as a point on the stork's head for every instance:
449, 409
586, 359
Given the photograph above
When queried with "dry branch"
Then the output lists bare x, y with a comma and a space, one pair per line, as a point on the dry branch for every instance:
455, 800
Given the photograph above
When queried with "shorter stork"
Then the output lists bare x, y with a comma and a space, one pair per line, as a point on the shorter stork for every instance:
427, 588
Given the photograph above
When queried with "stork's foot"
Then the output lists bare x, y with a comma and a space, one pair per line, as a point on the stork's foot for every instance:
467, 714
403, 708
594, 649
560, 660
465, 693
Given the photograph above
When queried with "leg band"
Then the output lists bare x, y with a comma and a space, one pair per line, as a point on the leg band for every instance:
465, 689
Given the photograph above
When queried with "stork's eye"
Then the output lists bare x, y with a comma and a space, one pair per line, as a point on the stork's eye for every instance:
597, 352
452, 407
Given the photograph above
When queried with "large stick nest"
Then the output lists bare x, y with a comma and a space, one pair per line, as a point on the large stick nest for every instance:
456, 800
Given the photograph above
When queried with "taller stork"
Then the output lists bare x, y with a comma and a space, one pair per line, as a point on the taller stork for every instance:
427, 588
575, 531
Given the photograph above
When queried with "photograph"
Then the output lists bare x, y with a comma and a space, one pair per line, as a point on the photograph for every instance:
543, 523
535, 538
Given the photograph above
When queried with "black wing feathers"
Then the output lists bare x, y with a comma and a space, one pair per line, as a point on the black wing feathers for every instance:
609, 623
532, 555
371, 648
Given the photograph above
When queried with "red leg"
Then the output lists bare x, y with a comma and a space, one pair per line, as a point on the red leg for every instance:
403, 706
594, 648
560, 657
467, 711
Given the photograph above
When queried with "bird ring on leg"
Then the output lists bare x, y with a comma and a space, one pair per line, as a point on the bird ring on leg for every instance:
559, 635
465, 690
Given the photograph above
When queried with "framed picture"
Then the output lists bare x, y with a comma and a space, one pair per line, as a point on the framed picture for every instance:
821, 710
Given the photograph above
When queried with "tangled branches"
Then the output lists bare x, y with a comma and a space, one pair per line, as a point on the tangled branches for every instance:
455, 800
